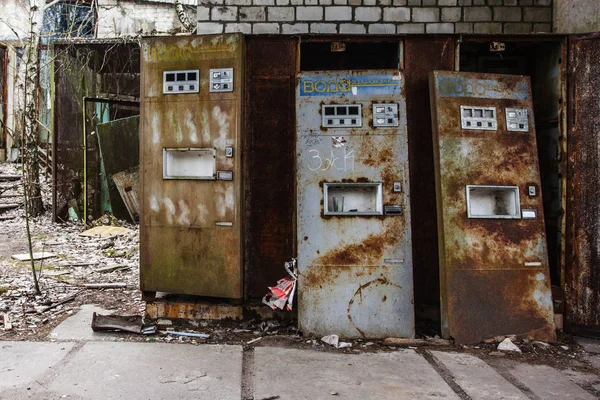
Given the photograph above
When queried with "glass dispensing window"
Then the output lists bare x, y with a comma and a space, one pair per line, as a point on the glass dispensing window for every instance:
353, 199
493, 202
189, 163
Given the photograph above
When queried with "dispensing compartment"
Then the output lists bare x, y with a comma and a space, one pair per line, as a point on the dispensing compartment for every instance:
353, 198
493, 202
189, 163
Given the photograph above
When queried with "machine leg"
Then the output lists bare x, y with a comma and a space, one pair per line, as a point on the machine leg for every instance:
148, 297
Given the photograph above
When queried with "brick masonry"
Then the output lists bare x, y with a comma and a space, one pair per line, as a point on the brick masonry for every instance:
291, 17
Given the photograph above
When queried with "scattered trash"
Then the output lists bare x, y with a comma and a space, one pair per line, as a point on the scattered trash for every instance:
7, 322
61, 302
497, 354
253, 340
164, 322
105, 231
282, 295
107, 220
333, 393
542, 345
565, 348
404, 342
508, 345
131, 323
36, 256
334, 340
189, 334
73, 217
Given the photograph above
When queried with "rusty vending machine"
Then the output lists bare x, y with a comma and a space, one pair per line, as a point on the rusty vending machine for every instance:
190, 164
353, 215
494, 272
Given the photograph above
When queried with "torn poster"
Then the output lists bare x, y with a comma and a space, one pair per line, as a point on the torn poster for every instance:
282, 295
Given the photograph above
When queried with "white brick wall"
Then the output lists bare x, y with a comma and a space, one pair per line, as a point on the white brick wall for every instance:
361, 17
133, 17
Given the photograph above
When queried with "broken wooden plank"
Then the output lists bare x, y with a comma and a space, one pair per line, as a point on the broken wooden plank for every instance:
111, 268
61, 302
36, 256
7, 322
104, 285
9, 206
105, 231
6, 178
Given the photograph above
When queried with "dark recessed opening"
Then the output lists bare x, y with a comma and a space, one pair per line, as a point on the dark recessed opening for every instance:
317, 56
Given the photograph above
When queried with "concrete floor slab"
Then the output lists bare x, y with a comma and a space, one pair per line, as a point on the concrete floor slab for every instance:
594, 360
111, 370
589, 345
79, 326
548, 383
24, 362
477, 379
304, 374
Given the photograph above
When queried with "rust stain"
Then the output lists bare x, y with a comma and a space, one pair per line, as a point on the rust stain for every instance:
358, 297
494, 274
582, 274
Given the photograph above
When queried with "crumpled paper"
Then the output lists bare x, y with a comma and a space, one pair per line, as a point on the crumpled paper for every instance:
334, 340
282, 296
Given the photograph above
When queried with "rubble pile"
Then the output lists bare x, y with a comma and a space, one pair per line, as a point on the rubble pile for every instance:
79, 269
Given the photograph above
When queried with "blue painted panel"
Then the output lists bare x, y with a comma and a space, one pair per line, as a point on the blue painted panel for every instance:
337, 84
451, 86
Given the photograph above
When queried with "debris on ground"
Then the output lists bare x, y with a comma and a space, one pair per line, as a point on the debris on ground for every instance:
334, 340
36, 256
121, 323
78, 261
411, 342
282, 296
508, 345
189, 334
104, 231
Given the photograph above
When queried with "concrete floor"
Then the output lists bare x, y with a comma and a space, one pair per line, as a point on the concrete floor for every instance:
80, 365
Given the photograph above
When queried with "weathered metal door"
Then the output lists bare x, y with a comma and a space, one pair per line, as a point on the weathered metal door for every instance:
494, 273
354, 250
582, 269
119, 143
190, 165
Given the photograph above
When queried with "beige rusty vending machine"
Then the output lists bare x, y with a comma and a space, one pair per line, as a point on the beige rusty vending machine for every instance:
190, 165
494, 272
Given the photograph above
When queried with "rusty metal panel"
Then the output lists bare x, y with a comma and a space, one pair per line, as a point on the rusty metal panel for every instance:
269, 163
355, 260
190, 230
3, 98
494, 273
127, 183
119, 146
423, 55
583, 207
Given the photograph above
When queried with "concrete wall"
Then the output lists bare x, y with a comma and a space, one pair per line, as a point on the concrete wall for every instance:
118, 18
576, 16
374, 16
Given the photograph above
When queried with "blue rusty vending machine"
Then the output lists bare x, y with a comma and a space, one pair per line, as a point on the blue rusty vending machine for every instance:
353, 218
